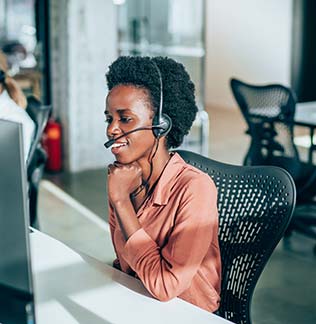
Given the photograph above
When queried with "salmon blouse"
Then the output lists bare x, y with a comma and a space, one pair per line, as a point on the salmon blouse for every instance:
176, 252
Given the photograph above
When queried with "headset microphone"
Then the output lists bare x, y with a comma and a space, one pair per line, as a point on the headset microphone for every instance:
113, 140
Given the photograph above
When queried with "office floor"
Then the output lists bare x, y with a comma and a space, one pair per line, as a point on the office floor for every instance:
286, 291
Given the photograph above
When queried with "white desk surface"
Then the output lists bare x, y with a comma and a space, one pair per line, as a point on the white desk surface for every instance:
74, 288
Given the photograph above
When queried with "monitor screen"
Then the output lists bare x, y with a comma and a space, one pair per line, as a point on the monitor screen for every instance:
15, 262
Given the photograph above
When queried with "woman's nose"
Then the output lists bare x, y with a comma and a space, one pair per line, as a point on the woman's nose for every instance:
113, 129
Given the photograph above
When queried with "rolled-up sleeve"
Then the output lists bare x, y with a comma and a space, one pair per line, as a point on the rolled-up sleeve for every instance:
167, 271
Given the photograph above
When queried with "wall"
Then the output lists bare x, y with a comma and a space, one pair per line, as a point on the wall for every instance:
247, 39
83, 44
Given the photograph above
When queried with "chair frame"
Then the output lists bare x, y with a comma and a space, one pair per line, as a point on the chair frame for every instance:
37, 156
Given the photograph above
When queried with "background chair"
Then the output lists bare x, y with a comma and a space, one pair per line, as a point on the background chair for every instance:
37, 156
255, 205
269, 112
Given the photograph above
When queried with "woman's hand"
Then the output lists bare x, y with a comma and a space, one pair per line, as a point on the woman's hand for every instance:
123, 179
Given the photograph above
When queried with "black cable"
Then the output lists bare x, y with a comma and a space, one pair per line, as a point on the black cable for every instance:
151, 164
145, 183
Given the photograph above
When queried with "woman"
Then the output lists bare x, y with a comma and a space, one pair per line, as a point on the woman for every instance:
162, 211
13, 104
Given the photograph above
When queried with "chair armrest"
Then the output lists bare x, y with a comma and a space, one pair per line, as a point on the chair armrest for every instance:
39, 114
38, 160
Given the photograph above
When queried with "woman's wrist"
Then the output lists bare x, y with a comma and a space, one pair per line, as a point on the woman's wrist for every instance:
121, 201
126, 217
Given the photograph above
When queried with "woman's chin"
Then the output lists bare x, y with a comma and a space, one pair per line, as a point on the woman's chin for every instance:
123, 159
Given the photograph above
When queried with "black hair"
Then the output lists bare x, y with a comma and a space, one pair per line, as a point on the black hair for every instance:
178, 89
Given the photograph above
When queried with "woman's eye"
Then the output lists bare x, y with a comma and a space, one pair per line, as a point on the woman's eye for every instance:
126, 119
123, 120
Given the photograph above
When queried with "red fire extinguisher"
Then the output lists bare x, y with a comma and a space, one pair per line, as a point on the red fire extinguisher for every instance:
52, 145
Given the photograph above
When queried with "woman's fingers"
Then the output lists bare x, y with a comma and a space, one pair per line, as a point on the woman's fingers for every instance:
111, 167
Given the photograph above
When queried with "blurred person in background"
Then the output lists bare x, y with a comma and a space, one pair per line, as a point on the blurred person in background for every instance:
13, 103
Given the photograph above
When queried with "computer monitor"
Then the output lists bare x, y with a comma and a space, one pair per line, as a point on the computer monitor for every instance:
16, 286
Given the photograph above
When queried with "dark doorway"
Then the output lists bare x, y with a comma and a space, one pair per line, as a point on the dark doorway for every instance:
304, 50
42, 19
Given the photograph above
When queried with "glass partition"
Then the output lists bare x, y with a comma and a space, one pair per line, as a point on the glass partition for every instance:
173, 28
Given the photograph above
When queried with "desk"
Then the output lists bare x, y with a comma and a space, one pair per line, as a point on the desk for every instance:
30, 82
305, 115
75, 288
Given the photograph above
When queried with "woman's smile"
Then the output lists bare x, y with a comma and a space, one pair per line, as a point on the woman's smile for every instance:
119, 147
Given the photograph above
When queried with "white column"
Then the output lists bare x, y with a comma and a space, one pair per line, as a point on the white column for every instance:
83, 44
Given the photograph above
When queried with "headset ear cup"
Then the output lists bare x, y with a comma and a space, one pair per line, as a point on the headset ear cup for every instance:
165, 126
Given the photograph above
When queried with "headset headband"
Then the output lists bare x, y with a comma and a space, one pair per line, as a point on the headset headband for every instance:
159, 114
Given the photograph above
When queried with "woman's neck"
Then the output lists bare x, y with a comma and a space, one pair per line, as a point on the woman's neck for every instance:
159, 161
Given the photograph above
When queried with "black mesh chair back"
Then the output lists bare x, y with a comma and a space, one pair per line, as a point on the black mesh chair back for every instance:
37, 156
255, 205
269, 112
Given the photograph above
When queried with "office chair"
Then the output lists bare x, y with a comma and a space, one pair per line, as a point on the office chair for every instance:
269, 112
255, 205
37, 156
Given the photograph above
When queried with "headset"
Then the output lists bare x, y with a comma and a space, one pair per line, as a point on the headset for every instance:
162, 123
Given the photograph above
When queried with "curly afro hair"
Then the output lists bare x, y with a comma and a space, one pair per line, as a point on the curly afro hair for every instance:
178, 89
